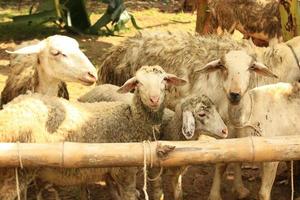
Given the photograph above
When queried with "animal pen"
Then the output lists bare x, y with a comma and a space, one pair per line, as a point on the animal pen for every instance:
158, 153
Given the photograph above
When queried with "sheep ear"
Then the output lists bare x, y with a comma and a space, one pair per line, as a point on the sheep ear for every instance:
188, 124
211, 66
262, 70
37, 48
174, 80
129, 85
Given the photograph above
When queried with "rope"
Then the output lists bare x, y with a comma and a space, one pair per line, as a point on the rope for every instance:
16, 170
62, 155
295, 55
292, 180
253, 148
17, 183
246, 124
145, 171
19, 155
156, 177
151, 158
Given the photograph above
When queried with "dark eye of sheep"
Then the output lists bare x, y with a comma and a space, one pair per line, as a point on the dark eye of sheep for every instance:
56, 53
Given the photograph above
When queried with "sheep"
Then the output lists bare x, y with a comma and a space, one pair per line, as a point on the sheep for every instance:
43, 66
217, 67
54, 120
255, 18
193, 58
284, 59
271, 110
105, 92
192, 114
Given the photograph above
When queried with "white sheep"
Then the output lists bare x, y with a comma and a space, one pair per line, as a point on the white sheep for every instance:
186, 55
51, 119
271, 110
217, 67
43, 66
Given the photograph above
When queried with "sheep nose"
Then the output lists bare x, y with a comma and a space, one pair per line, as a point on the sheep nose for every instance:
154, 99
225, 132
234, 97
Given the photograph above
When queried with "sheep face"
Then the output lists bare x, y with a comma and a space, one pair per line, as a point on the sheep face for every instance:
236, 68
200, 114
60, 58
151, 83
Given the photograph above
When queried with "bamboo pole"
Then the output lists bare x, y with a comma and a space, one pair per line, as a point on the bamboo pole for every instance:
76, 155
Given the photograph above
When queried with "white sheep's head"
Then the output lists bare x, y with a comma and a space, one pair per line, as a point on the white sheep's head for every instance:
236, 68
199, 114
60, 58
151, 83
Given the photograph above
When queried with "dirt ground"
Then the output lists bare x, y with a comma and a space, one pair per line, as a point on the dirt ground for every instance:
149, 15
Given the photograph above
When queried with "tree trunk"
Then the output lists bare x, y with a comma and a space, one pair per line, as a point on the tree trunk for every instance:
202, 16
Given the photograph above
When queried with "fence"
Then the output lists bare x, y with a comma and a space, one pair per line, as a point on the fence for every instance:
160, 153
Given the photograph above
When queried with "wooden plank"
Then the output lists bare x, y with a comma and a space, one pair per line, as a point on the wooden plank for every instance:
69, 155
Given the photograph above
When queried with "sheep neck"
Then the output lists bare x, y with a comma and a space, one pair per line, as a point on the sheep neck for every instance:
174, 128
142, 112
240, 114
44, 83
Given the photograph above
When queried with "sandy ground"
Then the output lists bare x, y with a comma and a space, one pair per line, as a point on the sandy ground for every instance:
149, 15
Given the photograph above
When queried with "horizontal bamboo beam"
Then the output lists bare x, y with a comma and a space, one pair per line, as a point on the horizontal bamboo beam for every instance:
67, 154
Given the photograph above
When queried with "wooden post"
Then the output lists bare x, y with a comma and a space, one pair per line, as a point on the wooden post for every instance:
202, 15
290, 18
76, 155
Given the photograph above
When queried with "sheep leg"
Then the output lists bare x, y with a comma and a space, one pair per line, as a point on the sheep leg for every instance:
155, 186
215, 191
239, 187
8, 188
113, 189
125, 179
176, 181
268, 176
84, 194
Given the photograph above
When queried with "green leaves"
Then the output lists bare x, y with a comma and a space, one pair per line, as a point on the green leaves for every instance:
73, 16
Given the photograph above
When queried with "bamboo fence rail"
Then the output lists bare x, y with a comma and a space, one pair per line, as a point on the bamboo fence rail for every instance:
159, 153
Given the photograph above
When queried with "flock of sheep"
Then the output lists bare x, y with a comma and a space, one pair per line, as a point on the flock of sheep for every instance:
184, 85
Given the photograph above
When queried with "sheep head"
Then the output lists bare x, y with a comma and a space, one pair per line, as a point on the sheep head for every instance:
236, 68
59, 57
200, 114
151, 82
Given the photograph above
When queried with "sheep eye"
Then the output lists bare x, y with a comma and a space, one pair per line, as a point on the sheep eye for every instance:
252, 67
222, 67
56, 53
